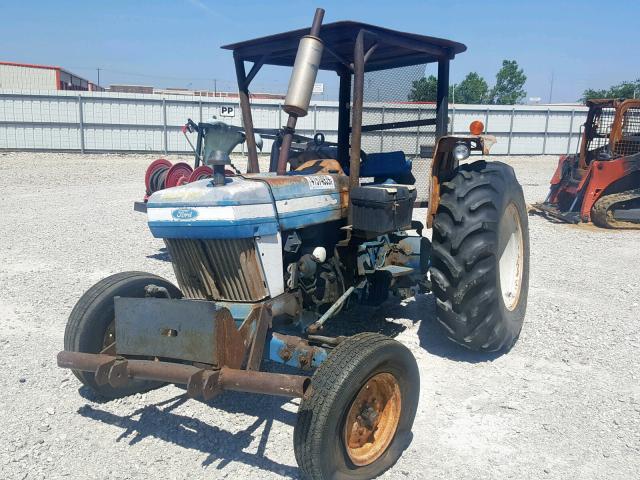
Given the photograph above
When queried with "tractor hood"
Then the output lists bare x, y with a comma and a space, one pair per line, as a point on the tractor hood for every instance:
247, 206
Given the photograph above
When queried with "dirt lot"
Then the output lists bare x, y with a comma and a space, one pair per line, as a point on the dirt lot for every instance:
564, 403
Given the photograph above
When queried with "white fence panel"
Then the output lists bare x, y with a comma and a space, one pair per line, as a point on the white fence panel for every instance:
105, 122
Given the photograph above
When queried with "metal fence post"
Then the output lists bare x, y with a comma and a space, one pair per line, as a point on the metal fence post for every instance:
381, 132
453, 119
486, 121
164, 126
81, 123
418, 131
546, 132
315, 119
573, 112
513, 111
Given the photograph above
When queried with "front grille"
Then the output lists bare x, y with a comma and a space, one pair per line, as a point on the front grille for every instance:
218, 269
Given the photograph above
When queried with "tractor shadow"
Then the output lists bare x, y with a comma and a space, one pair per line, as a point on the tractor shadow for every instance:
221, 447
395, 316
161, 421
162, 255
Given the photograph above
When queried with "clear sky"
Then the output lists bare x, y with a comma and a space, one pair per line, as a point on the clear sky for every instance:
176, 43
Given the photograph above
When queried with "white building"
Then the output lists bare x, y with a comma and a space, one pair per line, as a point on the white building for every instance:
23, 76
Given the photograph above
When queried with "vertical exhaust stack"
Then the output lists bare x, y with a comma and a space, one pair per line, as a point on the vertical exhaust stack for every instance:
305, 70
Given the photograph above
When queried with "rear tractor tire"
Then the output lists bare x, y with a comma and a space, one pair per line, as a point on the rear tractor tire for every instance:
480, 257
356, 417
91, 325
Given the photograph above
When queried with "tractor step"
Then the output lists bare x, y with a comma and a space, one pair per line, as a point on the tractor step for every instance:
397, 270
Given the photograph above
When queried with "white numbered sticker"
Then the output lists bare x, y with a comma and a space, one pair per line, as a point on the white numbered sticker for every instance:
320, 182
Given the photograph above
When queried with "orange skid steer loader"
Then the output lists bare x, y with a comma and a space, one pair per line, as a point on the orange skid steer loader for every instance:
601, 183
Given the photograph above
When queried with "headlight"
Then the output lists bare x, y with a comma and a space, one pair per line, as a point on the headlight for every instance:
461, 151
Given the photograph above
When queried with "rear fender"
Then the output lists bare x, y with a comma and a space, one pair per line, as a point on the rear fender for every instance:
444, 165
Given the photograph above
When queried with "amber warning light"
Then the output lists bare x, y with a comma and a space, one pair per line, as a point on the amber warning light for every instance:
476, 127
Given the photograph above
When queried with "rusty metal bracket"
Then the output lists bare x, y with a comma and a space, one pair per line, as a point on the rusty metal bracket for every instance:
113, 371
211, 384
119, 374
195, 384
230, 346
259, 337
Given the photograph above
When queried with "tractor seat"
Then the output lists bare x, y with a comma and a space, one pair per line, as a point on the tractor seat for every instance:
318, 167
383, 167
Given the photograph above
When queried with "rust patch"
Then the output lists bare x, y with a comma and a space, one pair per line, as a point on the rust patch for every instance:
259, 337
296, 346
229, 343
373, 419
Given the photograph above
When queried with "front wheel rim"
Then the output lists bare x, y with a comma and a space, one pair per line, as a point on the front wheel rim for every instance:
373, 419
511, 263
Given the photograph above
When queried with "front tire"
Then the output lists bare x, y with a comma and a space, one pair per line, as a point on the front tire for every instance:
356, 418
480, 257
91, 325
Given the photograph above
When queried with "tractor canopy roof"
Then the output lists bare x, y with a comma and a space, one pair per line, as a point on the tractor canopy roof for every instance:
392, 48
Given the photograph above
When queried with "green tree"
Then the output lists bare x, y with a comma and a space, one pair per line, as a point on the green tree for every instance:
473, 90
424, 90
509, 88
590, 94
621, 90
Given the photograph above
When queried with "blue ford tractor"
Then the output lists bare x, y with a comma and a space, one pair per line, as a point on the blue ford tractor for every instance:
263, 259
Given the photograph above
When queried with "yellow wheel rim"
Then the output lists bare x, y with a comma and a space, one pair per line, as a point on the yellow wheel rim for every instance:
373, 419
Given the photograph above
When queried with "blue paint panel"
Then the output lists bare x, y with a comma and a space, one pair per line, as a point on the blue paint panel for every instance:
276, 345
309, 217
214, 229
236, 191
240, 191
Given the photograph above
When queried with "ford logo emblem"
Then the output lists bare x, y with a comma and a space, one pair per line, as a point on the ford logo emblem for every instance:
184, 214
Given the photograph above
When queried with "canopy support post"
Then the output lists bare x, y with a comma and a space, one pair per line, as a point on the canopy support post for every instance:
344, 121
247, 119
442, 98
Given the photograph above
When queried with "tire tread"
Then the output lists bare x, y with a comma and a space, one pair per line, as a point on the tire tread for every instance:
325, 385
464, 263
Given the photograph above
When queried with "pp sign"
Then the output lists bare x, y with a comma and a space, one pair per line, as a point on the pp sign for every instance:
227, 111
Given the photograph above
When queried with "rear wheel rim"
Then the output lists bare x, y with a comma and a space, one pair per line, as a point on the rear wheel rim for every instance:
511, 263
372, 420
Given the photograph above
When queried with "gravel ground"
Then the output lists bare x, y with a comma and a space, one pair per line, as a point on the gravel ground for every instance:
564, 403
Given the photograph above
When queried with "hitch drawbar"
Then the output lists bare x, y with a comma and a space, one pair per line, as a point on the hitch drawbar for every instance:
118, 371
